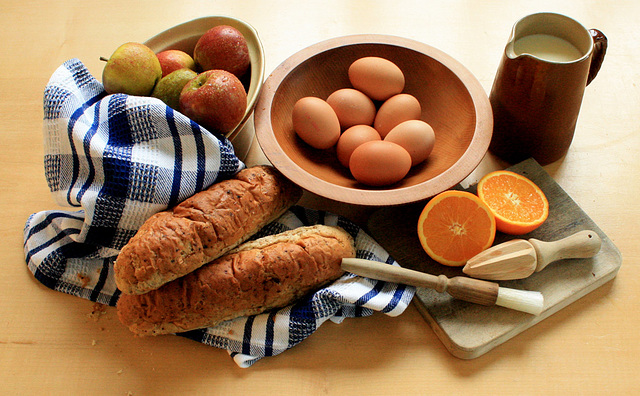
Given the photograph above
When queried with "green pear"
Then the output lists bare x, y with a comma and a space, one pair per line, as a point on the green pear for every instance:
168, 89
132, 69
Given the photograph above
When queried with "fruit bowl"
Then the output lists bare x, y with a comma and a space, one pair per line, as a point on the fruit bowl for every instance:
185, 36
453, 103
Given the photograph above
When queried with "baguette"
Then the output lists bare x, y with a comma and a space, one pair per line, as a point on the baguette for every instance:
175, 242
260, 275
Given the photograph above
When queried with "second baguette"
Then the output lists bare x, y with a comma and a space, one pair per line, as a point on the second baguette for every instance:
260, 275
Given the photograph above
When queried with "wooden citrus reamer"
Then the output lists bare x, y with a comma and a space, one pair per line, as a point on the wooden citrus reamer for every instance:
472, 290
519, 258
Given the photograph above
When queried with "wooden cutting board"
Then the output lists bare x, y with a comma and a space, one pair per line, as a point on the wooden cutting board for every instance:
470, 330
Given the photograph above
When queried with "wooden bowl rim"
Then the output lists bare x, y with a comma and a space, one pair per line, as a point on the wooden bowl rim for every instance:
199, 26
469, 160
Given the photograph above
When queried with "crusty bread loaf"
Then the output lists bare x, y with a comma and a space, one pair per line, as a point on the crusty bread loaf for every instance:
260, 275
175, 242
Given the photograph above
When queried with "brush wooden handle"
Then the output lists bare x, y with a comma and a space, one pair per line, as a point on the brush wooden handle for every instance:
463, 288
583, 244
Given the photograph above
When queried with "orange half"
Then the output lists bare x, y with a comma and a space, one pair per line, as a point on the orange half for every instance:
518, 204
455, 226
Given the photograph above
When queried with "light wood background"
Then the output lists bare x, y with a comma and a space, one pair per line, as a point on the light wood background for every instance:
50, 343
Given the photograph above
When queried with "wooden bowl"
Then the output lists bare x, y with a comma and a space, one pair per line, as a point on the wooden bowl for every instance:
185, 36
453, 103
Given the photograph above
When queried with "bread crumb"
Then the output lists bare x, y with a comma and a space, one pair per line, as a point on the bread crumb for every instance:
119, 371
97, 311
94, 342
84, 278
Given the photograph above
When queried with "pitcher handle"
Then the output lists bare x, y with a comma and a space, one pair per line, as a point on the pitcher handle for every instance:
599, 50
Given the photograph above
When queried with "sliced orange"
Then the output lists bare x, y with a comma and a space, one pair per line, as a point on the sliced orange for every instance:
518, 204
455, 226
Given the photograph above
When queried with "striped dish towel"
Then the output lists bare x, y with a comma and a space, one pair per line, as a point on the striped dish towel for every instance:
120, 159
248, 339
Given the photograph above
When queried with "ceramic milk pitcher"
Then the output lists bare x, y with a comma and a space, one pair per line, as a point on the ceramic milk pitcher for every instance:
538, 89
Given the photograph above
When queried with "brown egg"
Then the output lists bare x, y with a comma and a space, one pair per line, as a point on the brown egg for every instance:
315, 122
379, 163
397, 109
378, 78
352, 107
416, 136
351, 139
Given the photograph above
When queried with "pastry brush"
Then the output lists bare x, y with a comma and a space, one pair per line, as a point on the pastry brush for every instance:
519, 258
459, 287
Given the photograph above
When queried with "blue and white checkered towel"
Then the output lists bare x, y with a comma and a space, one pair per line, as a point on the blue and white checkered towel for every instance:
123, 158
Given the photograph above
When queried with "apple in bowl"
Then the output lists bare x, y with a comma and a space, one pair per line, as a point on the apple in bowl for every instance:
173, 59
216, 99
223, 47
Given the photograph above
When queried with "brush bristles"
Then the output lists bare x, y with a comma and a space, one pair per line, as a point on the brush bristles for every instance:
521, 300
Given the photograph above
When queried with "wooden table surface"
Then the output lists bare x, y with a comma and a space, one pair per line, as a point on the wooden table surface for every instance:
51, 343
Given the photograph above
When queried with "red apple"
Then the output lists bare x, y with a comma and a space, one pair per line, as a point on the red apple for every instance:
215, 99
222, 47
172, 60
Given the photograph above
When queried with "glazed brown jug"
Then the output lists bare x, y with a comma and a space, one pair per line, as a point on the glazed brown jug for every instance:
538, 89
